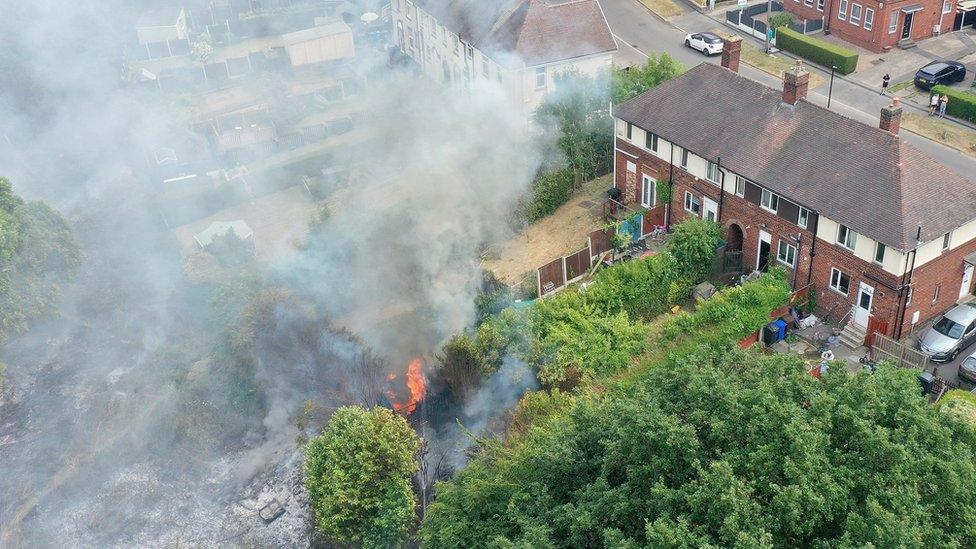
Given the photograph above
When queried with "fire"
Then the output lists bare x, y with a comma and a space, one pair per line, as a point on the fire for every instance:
417, 385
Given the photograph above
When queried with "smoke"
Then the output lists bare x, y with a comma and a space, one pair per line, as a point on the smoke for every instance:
156, 410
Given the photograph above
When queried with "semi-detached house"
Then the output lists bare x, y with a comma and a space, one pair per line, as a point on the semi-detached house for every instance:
525, 45
881, 230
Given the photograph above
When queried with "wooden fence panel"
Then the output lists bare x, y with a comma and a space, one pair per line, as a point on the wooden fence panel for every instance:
577, 264
875, 326
600, 241
551, 277
904, 356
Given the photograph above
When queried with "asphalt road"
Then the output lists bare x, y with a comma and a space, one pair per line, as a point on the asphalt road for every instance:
639, 33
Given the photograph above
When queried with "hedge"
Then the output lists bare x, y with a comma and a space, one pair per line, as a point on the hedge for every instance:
815, 50
961, 104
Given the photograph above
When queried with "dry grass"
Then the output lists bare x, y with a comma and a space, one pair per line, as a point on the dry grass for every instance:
561, 233
664, 8
937, 129
771, 64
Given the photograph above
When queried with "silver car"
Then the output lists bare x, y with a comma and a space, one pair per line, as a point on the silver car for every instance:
967, 370
953, 332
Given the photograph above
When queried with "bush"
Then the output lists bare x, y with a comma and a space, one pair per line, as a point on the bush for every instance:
693, 245
961, 104
815, 50
782, 19
549, 192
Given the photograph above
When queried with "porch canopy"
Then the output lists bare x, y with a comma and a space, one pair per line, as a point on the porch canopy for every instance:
967, 5
913, 8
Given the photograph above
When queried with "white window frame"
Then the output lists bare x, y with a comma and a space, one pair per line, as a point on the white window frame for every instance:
540, 74
820, 5
790, 257
868, 18
835, 277
880, 249
946, 241
648, 192
803, 216
652, 137
630, 131
712, 172
409, 9
946, 6
691, 201
849, 240
893, 22
855, 19
740, 185
770, 205
684, 158
808, 3
842, 12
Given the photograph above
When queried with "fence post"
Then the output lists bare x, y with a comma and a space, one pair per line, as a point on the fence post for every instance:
564, 271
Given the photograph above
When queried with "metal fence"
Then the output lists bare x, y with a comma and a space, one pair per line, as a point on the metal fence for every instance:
886, 348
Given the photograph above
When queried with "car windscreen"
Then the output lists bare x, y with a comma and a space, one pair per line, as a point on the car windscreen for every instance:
948, 328
970, 363
712, 39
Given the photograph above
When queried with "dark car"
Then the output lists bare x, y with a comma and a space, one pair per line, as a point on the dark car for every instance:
939, 72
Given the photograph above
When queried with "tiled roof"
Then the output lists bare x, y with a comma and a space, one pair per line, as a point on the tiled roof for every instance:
538, 31
853, 173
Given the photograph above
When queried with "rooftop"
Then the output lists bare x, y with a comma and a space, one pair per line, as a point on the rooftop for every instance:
856, 174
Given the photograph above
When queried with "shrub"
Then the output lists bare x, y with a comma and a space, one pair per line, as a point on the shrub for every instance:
643, 288
549, 192
693, 245
782, 19
632, 81
961, 104
815, 50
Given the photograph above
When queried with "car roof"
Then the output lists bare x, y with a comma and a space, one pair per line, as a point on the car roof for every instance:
963, 314
707, 34
934, 66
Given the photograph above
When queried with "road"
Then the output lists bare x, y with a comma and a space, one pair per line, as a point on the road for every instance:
640, 32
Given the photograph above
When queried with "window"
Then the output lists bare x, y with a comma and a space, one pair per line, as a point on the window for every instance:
649, 192
684, 158
808, 2
409, 9
893, 22
650, 141
820, 5
879, 252
842, 12
855, 14
692, 203
711, 172
945, 241
846, 237
740, 186
868, 18
470, 51
769, 201
936, 293
630, 130
908, 301
786, 253
803, 218
540, 84
840, 281
484, 67
946, 6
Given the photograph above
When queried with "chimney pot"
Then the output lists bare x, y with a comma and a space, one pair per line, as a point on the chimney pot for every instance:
731, 49
891, 117
795, 83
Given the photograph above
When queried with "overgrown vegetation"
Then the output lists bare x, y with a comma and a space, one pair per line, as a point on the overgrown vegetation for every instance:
782, 19
693, 245
358, 475
632, 81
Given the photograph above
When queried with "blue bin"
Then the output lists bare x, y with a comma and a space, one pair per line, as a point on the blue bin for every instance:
781, 329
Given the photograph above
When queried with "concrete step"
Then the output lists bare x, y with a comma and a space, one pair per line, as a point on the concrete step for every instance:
853, 335
907, 44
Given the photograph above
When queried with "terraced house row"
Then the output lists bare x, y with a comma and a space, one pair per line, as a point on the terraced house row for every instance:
883, 232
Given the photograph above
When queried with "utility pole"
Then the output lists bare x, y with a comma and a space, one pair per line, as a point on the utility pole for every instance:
769, 16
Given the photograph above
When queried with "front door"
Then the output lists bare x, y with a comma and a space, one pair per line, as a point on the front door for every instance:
865, 301
967, 280
710, 212
762, 262
906, 28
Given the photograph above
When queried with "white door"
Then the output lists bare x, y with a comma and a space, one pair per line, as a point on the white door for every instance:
765, 248
710, 212
967, 280
865, 301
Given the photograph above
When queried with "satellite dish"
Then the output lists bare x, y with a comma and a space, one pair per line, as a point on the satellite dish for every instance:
369, 17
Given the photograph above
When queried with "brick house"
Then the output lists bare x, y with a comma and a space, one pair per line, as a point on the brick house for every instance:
879, 26
524, 45
879, 229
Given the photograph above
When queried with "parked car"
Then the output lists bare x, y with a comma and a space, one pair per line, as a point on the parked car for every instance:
967, 370
951, 333
939, 72
705, 42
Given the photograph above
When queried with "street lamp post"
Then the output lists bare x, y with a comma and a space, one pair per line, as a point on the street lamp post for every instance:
830, 89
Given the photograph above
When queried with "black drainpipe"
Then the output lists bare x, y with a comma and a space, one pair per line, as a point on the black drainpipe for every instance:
813, 249
799, 250
905, 288
667, 218
721, 192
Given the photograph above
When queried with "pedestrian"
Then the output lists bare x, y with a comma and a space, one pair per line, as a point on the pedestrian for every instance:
933, 104
943, 102
884, 83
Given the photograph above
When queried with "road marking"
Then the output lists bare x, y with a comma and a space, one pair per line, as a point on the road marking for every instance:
629, 45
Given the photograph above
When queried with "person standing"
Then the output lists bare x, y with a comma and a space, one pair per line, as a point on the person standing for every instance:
933, 103
943, 103
884, 83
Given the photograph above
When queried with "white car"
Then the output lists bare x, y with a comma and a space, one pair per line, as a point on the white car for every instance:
705, 42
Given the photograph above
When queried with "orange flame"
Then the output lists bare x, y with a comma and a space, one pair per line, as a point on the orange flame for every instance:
417, 385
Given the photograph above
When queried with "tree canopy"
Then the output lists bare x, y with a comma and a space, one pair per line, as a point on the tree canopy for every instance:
358, 474
723, 448
633, 81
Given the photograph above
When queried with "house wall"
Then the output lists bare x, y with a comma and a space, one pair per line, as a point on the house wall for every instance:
591, 66
321, 50
880, 36
936, 285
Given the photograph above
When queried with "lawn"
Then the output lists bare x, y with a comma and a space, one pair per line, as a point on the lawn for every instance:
754, 56
937, 129
664, 8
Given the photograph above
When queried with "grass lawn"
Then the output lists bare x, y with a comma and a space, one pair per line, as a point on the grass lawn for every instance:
959, 138
961, 403
664, 8
771, 64
899, 86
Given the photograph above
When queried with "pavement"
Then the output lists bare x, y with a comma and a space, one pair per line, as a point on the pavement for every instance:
640, 33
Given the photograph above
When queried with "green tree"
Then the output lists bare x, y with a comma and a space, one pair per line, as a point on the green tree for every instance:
579, 110
724, 448
358, 474
693, 245
630, 82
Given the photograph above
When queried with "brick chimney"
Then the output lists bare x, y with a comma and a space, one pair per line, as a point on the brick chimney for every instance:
795, 83
891, 117
731, 47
